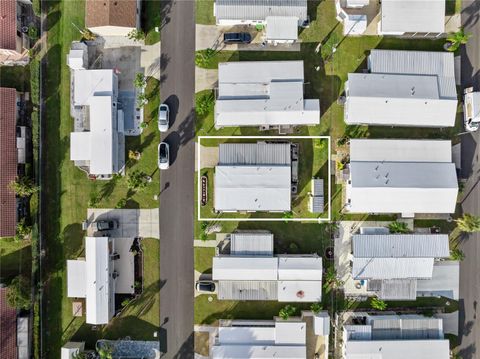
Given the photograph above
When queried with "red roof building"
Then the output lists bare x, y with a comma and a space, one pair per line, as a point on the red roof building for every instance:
8, 160
8, 327
8, 25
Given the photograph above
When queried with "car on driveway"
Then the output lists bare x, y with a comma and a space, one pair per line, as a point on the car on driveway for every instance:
163, 117
105, 225
205, 286
237, 38
471, 110
163, 156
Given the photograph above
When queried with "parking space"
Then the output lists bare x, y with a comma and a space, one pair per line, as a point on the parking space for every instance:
211, 36
132, 222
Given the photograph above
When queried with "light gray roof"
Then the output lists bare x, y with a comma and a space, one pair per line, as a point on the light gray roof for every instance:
282, 28
247, 290
256, 93
259, 9
317, 187
413, 16
260, 153
401, 245
253, 177
400, 150
411, 327
392, 268
438, 64
398, 100
398, 289
401, 176
397, 349
318, 204
251, 244
444, 282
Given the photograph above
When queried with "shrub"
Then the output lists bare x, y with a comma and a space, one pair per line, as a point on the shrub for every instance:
378, 304
136, 35
287, 311
23, 229
24, 186
204, 104
121, 203
457, 255
316, 307
140, 81
18, 293
203, 58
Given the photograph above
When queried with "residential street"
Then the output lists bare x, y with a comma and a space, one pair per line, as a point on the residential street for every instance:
176, 183
469, 331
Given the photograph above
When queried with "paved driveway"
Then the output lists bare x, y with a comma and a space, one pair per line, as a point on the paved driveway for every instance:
133, 222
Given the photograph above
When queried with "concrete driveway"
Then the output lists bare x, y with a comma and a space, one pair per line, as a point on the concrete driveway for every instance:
132, 222
211, 36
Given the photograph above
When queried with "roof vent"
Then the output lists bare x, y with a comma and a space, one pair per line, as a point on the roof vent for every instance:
412, 91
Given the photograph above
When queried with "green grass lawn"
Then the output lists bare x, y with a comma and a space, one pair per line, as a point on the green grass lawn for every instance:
210, 312
151, 19
203, 259
204, 12
140, 319
67, 188
15, 258
15, 76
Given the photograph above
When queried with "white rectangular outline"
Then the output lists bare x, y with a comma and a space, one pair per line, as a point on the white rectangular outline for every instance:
318, 220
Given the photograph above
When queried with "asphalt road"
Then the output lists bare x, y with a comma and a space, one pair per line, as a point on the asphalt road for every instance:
469, 331
176, 184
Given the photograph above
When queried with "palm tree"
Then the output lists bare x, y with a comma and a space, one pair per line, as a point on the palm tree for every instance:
455, 39
468, 223
398, 227
23, 186
331, 280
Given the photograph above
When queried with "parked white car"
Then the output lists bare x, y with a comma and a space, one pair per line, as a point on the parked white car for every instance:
163, 117
163, 156
471, 110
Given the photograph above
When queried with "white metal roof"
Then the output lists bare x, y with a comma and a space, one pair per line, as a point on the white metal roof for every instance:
444, 282
252, 188
75, 59
251, 244
76, 275
283, 339
254, 93
89, 83
392, 268
398, 100
261, 335
244, 268
397, 349
400, 150
401, 245
413, 16
282, 28
321, 323
299, 291
288, 333
260, 153
395, 176
259, 9
80, 146
300, 268
258, 352
247, 290
440, 64
99, 285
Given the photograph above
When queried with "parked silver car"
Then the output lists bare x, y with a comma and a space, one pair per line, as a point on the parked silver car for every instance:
163, 156
163, 117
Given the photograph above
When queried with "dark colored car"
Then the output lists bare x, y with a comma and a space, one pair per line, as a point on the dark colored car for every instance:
205, 286
105, 225
237, 38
